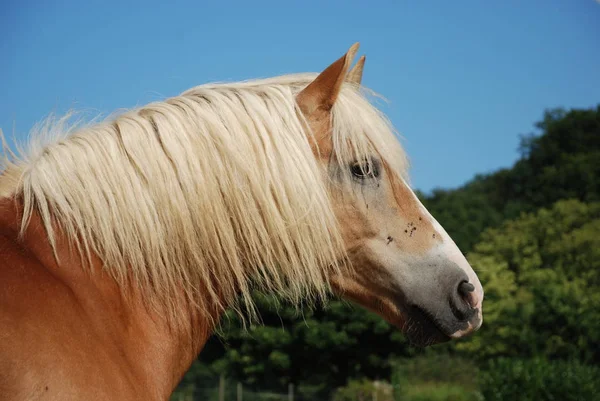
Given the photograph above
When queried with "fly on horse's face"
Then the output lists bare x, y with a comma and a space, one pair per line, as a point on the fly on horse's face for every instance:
405, 266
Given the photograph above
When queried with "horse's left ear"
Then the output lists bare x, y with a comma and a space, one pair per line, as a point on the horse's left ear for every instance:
321, 93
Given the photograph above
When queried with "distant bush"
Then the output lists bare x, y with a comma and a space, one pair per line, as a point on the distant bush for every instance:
364, 390
539, 380
436, 367
435, 377
438, 392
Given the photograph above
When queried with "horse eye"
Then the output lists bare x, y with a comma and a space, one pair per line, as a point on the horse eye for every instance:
365, 169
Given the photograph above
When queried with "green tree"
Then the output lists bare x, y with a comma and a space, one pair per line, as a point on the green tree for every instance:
318, 349
560, 161
541, 273
464, 213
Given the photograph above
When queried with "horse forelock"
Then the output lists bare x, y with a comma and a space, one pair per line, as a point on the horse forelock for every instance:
207, 195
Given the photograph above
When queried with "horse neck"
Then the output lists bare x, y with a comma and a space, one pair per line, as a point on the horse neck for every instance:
154, 354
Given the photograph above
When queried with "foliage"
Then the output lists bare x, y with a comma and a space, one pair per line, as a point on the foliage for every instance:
561, 161
364, 390
439, 392
432, 366
318, 349
541, 273
435, 376
540, 380
463, 213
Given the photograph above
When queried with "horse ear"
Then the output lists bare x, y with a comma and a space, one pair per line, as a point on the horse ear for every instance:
321, 93
356, 73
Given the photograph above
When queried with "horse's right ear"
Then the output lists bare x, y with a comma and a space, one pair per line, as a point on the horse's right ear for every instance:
321, 93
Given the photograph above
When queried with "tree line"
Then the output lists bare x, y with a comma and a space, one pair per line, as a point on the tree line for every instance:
532, 233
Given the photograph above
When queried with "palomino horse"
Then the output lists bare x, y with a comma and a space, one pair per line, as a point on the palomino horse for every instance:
123, 242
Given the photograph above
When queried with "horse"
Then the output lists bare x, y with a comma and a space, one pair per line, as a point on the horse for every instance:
124, 241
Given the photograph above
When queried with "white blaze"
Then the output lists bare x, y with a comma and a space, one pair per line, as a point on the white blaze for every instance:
450, 250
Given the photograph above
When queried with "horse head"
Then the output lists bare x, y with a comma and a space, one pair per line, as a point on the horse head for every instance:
404, 265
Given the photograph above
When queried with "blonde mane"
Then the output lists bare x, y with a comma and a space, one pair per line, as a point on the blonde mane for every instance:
207, 195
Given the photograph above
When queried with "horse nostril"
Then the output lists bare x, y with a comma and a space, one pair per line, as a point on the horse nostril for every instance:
462, 301
465, 288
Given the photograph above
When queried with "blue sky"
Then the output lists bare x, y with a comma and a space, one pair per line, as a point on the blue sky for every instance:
463, 79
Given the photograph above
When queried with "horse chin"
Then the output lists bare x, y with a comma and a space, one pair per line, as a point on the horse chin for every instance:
422, 329
418, 325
